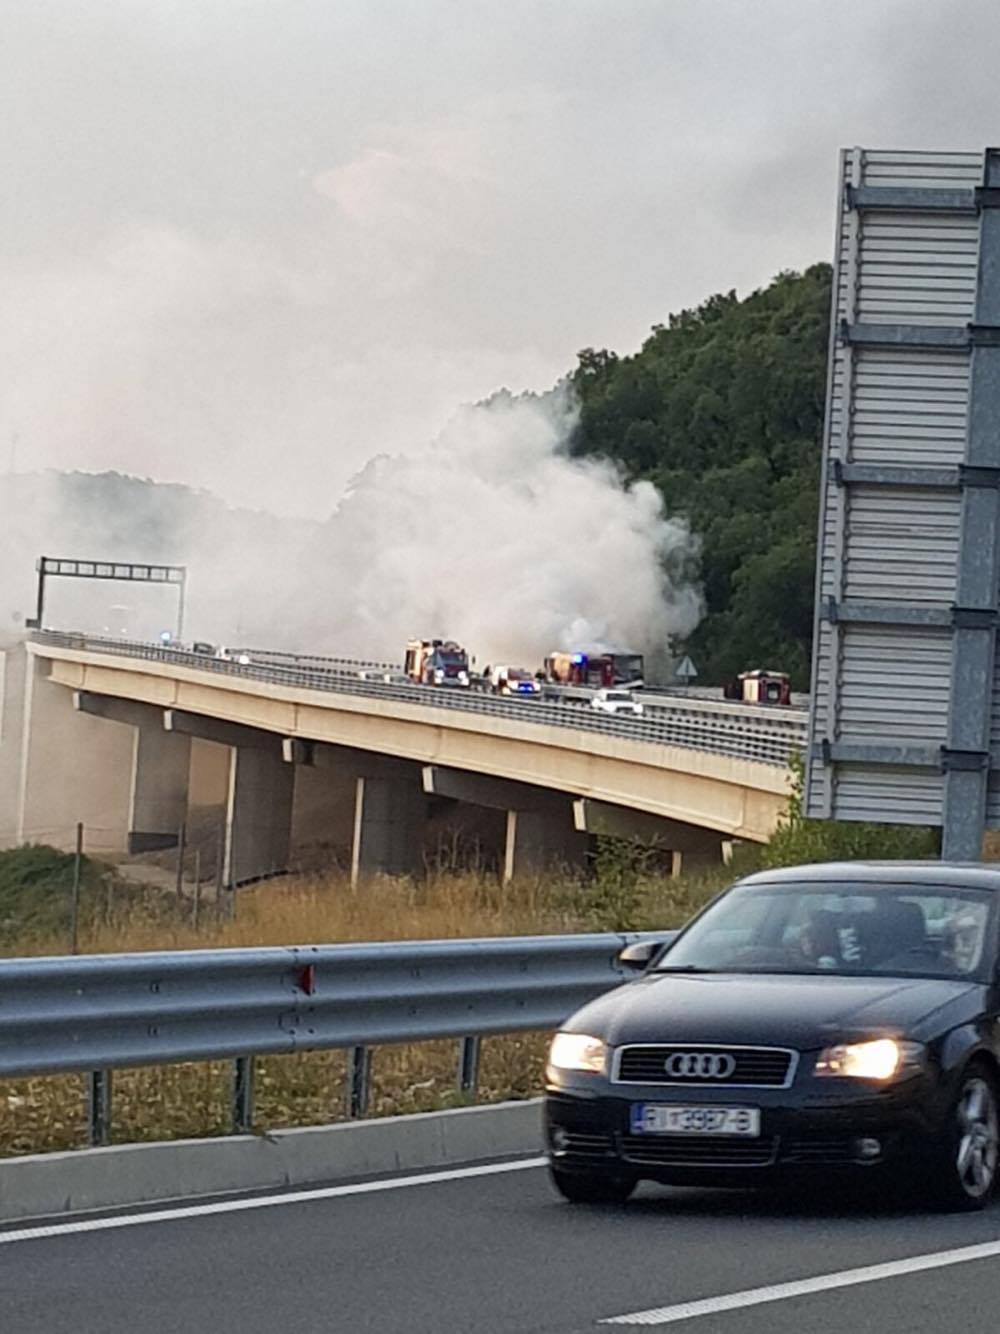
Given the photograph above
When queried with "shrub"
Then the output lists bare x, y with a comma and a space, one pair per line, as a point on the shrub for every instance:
799, 839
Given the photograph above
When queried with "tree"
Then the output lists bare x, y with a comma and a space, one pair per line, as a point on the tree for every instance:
722, 409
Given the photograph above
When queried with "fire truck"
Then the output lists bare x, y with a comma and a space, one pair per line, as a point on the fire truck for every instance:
595, 670
760, 687
436, 662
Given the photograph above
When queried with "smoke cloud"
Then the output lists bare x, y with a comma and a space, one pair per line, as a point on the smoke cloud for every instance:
492, 534
495, 536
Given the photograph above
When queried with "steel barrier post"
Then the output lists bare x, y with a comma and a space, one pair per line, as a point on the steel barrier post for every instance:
359, 1069
468, 1065
99, 1108
243, 1095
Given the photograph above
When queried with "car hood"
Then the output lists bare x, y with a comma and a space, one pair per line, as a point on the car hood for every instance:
802, 1012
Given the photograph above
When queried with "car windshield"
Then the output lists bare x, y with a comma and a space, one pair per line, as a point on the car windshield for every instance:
843, 928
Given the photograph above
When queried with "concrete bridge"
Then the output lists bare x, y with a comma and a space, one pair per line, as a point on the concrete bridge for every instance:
135, 740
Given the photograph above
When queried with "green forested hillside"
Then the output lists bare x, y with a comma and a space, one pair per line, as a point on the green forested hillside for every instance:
723, 409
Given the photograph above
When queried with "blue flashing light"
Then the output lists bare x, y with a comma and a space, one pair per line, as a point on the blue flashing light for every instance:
578, 658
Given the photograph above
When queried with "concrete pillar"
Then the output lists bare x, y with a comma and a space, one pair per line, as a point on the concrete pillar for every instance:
389, 819
13, 666
692, 847
708, 858
540, 833
258, 798
323, 804
542, 840
258, 814
159, 799
161, 763
71, 767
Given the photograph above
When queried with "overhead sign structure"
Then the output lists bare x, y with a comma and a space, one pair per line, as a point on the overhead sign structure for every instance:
905, 719
50, 567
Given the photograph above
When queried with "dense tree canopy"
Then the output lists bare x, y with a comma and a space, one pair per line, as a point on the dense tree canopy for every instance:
723, 409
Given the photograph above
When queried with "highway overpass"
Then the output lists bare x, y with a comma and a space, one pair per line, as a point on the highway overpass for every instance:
131, 739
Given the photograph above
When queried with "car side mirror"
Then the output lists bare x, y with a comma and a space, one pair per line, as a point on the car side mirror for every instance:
639, 955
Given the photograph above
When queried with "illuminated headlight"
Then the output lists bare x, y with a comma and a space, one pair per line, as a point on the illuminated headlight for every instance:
879, 1059
577, 1051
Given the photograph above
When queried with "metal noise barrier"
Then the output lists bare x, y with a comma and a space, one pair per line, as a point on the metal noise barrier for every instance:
99, 1012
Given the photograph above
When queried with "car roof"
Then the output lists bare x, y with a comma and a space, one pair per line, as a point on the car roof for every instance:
968, 875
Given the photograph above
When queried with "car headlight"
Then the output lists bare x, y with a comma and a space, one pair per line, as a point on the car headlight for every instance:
577, 1051
881, 1058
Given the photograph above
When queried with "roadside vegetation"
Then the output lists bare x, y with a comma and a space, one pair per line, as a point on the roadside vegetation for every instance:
627, 890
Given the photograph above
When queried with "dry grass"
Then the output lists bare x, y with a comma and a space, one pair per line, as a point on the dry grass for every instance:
193, 1100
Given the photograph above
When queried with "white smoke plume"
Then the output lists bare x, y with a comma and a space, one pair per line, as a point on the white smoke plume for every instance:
492, 535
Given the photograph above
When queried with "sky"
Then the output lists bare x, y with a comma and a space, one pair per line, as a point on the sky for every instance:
250, 246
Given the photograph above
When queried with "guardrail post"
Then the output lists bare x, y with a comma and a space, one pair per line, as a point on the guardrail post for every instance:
99, 1108
359, 1069
468, 1065
243, 1095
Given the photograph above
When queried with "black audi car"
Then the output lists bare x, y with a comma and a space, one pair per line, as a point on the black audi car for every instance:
843, 1018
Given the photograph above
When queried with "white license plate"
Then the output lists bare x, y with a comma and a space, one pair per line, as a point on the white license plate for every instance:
657, 1119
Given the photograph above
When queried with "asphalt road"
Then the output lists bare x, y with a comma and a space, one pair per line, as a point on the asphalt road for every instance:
497, 1251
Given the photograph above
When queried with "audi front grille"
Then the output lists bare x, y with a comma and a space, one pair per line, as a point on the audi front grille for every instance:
702, 1065
695, 1151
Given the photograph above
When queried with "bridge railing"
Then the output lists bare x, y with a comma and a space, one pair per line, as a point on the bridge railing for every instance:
745, 731
99, 1013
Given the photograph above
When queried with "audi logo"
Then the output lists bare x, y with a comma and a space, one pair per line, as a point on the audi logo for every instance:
700, 1065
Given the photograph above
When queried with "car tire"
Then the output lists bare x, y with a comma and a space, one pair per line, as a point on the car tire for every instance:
964, 1172
592, 1187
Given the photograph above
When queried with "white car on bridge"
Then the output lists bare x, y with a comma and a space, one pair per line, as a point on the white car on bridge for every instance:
619, 702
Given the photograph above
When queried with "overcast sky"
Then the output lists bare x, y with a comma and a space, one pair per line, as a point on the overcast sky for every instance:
247, 244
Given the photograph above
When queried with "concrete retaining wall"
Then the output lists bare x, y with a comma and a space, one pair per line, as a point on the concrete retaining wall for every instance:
49, 1184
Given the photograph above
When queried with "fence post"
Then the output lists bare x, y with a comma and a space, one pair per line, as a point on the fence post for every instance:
468, 1065
196, 910
243, 1095
220, 866
359, 1069
99, 1107
181, 845
75, 905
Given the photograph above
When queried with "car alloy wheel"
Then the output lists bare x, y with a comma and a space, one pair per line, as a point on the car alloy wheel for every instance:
976, 1153
592, 1187
967, 1161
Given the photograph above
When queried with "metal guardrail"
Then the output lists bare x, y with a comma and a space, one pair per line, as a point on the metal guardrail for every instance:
101, 1012
745, 731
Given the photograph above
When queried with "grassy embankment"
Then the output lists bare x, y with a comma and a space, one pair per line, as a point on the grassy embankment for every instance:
48, 1113
626, 891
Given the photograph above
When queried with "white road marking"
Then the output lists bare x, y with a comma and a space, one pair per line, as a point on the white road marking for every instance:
106, 1224
779, 1292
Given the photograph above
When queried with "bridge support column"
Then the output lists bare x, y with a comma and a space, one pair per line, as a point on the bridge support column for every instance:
258, 798
692, 847
389, 818
707, 858
258, 814
542, 840
161, 763
540, 834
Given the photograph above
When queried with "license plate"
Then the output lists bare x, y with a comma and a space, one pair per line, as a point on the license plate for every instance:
658, 1119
